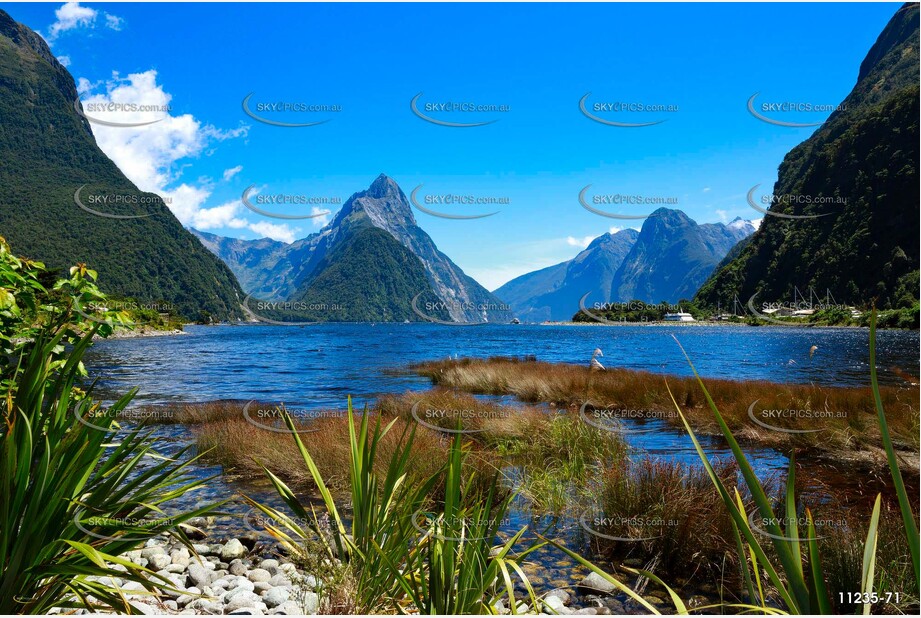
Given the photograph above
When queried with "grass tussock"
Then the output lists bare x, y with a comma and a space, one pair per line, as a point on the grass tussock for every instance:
191, 413
842, 548
554, 456
665, 508
242, 446
845, 417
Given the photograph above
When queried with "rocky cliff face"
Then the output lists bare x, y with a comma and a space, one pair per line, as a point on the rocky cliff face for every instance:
865, 248
275, 270
666, 260
673, 256
553, 293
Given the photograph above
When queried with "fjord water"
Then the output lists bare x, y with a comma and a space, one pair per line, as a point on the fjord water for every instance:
318, 366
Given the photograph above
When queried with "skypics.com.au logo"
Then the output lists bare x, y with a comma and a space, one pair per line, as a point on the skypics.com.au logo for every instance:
457, 114
118, 200
769, 110
427, 309
617, 113
795, 201
128, 115
456, 420
287, 113
270, 417
462, 200
256, 310
632, 200
251, 197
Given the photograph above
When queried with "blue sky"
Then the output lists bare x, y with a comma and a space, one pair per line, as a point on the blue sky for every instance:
702, 62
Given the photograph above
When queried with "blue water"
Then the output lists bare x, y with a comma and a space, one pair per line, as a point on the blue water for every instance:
317, 366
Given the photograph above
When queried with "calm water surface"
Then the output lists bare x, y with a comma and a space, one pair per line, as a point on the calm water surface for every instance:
317, 366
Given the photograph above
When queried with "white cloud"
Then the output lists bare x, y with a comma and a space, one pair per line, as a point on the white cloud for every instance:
233, 171
722, 214
756, 222
153, 156
84, 85
64, 60
706, 189
579, 242
72, 16
113, 22
322, 219
275, 231
227, 215
615, 229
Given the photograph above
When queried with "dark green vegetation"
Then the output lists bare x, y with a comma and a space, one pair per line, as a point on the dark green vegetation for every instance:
48, 152
275, 271
75, 492
371, 277
866, 250
638, 311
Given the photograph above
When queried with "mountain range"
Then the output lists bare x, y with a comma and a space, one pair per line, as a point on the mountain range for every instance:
666, 261
373, 262
862, 248
50, 157
374, 228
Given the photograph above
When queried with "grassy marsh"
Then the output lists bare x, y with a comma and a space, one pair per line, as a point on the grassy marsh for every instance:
844, 419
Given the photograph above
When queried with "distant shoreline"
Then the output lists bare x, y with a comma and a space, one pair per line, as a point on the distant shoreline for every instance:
142, 332
698, 323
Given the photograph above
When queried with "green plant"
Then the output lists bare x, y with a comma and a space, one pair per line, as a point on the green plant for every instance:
908, 518
802, 586
384, 545
382, 510
76, 492
454, 569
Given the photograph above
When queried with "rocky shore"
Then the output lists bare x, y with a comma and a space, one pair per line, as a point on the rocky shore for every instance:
246, 576
236, 577
144, 331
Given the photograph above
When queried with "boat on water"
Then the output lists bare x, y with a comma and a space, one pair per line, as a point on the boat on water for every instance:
679, 317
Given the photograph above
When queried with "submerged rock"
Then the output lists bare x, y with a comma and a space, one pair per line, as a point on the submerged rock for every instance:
593, 582
560, 594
